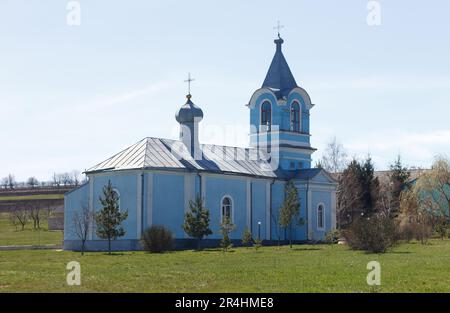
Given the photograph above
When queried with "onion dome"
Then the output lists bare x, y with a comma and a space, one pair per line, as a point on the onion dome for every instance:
189, 112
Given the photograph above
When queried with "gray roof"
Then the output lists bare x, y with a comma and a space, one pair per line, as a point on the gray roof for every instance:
167, 154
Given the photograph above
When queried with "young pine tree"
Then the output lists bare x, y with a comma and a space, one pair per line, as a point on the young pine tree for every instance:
226, 227
247, 239
196, 222
290, 209
109, 219
398, 178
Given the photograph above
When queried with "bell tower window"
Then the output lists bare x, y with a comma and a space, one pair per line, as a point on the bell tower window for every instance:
295, 117
266, 114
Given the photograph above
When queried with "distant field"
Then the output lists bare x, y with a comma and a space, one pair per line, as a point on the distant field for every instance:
32, 197
305, 268
10, 236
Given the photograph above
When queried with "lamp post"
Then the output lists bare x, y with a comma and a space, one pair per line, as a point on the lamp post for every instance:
259, 230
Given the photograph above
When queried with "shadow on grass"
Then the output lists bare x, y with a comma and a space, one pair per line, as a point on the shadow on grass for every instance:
306, 249
212, 250
399, 252
115, 253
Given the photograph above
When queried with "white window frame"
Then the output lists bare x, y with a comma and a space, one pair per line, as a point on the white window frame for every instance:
271, 115
299, 116
118, 195
232, 208
323, 216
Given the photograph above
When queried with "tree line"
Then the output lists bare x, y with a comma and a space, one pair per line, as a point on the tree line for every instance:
375, 213
64, 179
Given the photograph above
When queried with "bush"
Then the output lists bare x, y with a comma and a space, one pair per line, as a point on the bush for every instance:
408, 232
375, 234
333, 236
419, 228
422, 232
157, 239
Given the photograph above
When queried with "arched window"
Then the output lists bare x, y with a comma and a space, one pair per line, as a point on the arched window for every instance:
227, 208
320, 217
266, 114
116, 196
295, 116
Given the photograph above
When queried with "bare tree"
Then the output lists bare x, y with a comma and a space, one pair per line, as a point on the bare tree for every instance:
32, 182
82, 222
5, 182
66, 179
334, 159
11, 181
56, 180
76, 177
36, 214
13, 219
20, 214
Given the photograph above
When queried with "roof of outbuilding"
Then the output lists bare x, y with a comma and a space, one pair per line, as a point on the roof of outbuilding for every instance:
157, 153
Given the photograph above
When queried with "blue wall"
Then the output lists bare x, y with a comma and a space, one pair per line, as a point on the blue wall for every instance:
168, 205
168, 202
216, 188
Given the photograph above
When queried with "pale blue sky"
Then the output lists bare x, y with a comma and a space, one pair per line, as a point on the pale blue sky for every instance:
73, 96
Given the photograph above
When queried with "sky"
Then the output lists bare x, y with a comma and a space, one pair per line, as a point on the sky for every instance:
74, 95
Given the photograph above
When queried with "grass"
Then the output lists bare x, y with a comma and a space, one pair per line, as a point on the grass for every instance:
305, 268
10, 236
33, 197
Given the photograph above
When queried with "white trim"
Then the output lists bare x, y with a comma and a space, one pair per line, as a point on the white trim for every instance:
232, 207
150, 200
297, 150
286, 132
138, 205
268, 210
299, 116
310, 234
259, 92
283, 141
305, 96
260, 116
118, 195
91, 205
179, 172
189, 193
321, 204
203, 182
249, 203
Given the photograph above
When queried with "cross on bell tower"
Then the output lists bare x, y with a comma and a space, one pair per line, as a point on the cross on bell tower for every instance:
278, 28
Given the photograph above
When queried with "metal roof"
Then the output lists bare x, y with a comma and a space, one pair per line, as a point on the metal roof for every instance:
157, 153
279, 77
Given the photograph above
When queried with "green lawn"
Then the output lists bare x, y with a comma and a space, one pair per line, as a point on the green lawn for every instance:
10, 236
306, 268
33, 197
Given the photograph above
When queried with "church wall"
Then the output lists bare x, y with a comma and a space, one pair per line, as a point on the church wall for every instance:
216, 187
126, 184
319, 197
168, 202
73, 202
259, 207
277, 201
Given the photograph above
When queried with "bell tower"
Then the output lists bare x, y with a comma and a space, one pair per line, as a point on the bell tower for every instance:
280, 116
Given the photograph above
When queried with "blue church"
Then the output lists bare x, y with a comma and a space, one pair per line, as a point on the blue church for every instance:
156, 178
